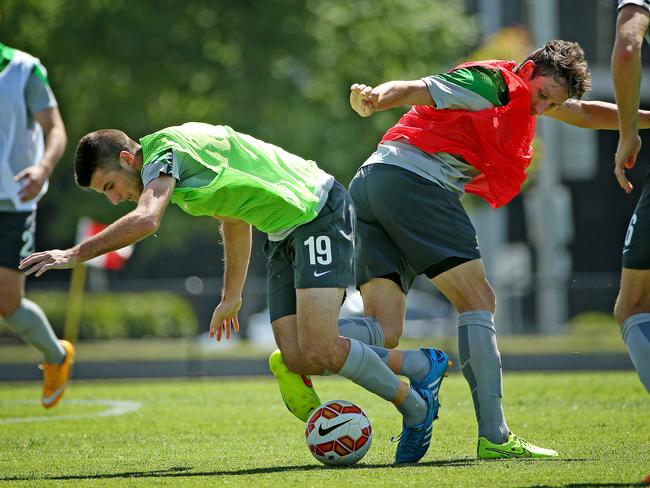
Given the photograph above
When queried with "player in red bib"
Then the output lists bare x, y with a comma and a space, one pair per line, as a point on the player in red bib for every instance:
468, 130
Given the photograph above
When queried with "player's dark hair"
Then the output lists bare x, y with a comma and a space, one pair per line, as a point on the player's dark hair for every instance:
100, 149
565, 62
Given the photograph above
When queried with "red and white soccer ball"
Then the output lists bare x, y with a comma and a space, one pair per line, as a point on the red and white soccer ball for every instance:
338, 433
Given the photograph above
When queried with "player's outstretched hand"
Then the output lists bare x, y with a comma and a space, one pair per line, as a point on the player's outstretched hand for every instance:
40, 262
626, 153
224, 319
362, 99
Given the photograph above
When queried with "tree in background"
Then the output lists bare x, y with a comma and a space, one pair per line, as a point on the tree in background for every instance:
279, 70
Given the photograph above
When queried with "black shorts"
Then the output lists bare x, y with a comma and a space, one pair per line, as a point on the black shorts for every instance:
636, 249
407, 225
317, 254
17, 237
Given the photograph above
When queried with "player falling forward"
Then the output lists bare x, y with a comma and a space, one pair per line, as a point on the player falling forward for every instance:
307, 215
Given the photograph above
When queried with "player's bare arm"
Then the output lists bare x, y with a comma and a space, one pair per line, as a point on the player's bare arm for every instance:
34, 177
594, 115
143, 221
366, 100
631, 25
237, 241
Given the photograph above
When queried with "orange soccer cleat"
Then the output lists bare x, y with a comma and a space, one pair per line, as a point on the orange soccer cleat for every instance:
55, 377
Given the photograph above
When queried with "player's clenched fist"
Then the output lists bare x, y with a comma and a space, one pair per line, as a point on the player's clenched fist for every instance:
362, 99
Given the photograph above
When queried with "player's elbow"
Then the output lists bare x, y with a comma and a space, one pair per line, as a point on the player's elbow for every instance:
148, 223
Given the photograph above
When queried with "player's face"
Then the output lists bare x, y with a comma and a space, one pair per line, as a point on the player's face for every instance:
119, 185
546, 93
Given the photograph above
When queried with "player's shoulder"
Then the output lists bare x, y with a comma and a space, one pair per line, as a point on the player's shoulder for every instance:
640, 3
486, 81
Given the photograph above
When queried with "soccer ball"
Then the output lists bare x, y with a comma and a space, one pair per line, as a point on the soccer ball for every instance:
338, 433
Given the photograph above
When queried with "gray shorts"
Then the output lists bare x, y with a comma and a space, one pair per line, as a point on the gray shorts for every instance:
406, 226
317, 254
17, 237
636, 248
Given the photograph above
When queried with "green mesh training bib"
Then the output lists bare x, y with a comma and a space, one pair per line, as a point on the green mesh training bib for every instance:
256, 182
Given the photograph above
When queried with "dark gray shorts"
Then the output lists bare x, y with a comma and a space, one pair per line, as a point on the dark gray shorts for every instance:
16, 237
636, 248
317, 254
407, 225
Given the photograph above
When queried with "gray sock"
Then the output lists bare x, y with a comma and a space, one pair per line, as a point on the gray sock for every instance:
367, 370
636, 334
415, 364
480, 362
364, 329
32, 325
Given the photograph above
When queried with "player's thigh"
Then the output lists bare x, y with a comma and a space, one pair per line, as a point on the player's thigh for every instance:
634, 295
17, 237
425, 222
636, 247
376, 254
16, 243
385, 300
280, 284
467, 287
322, 250
317, 326
12, 289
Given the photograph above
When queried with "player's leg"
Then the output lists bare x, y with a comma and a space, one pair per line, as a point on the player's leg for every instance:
25, 316
321, 344
385, 300
632, 312
296, 390
319, 254
468, 289
632, 309
287, 365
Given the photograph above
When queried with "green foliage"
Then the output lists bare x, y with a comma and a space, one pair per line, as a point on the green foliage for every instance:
279, 70
123, 315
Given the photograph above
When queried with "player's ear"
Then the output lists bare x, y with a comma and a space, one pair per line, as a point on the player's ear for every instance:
127, 157
526, 69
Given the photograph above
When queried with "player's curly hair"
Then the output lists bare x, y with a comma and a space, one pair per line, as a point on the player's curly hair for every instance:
565, 62
100, 149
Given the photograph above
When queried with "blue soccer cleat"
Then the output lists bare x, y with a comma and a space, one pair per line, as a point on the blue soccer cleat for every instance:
414, 441
432, 381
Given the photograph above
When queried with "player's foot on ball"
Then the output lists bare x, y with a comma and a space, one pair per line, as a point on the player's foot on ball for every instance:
514, 447
414, 441
55, 377
297, 391
432, 381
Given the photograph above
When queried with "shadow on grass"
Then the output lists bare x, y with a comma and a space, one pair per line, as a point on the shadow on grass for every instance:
179, 472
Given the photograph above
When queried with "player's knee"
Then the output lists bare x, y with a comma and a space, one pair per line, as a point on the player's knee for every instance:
391, 338
8, 305
488, 297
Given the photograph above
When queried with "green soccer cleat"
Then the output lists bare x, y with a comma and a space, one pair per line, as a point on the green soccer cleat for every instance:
514, 447
297, 391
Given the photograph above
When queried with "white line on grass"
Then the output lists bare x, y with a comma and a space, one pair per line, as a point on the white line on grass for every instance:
115, 407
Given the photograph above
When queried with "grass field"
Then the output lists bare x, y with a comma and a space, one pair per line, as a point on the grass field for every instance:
226, 432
